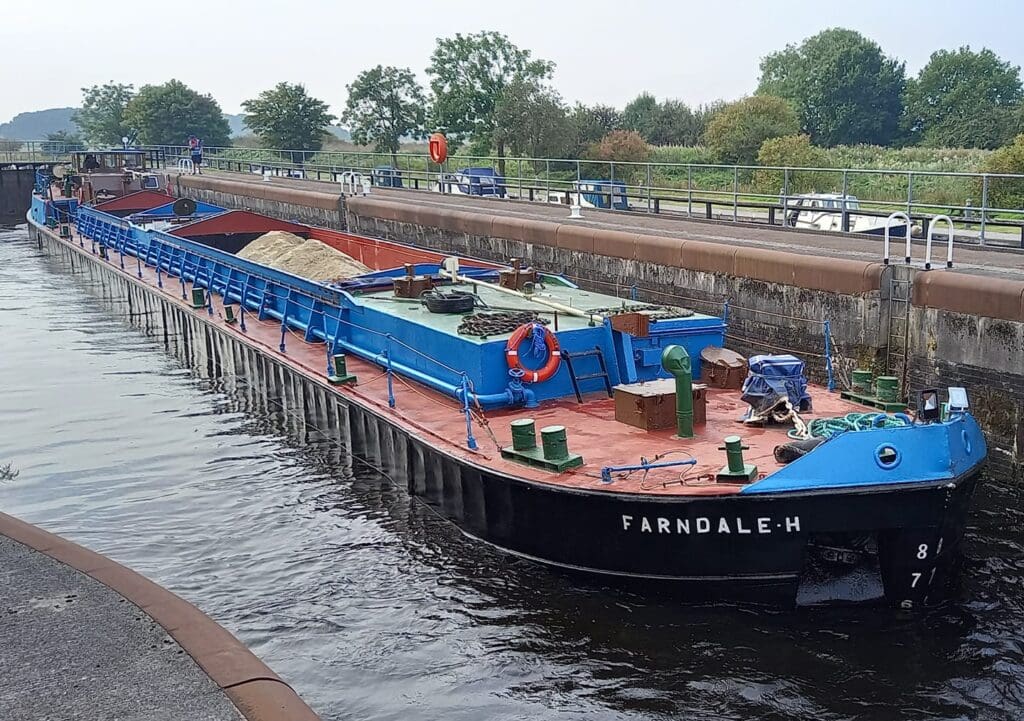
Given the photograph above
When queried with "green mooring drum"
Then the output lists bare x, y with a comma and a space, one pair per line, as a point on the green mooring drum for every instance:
524, 436
887, 388
861, 381
554, 441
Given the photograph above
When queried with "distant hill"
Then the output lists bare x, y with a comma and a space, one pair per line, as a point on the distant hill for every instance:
36, 125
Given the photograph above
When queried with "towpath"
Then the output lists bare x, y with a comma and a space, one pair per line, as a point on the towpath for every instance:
73, 647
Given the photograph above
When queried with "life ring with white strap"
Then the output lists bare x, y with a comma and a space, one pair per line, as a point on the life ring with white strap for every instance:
522, 333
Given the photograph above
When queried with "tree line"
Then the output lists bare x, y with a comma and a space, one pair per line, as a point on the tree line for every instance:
491, 97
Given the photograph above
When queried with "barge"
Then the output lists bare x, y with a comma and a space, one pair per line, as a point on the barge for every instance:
574, 429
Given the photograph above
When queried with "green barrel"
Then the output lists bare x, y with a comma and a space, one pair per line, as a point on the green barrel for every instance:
887, 388
524, 435
861, 382
555, 445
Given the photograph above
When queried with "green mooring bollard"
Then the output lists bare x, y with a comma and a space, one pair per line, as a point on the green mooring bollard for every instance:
524, 434
736, 470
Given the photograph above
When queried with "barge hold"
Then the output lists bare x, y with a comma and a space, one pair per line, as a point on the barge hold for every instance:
566, 427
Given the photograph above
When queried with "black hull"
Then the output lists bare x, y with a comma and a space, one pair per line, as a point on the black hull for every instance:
898, 545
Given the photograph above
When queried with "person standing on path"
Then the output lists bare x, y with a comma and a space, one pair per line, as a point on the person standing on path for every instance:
195, 148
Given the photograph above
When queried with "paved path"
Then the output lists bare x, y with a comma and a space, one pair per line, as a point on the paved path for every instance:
975, 260
73, 648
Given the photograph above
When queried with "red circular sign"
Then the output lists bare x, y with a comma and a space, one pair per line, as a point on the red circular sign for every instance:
438, 148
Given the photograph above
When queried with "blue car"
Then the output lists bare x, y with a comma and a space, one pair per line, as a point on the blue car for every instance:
475, 181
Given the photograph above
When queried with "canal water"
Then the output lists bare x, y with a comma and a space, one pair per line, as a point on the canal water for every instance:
373, 608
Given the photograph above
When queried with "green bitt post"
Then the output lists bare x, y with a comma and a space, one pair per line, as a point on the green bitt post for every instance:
676, 361
736, 470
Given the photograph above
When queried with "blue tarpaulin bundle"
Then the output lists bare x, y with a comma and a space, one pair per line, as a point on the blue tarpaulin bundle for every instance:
773, 378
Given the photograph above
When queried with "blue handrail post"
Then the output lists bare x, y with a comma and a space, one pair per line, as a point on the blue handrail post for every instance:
725, 312
209, 294
138, 262
181, 277
828, 357
390, 373
470, 440
120, 252
284, 329
159, 275
241, 317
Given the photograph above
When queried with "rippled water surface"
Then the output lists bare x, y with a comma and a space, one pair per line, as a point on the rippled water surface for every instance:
373, 608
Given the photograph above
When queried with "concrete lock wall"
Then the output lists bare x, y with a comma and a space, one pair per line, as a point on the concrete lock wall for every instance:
962, 332
15, 194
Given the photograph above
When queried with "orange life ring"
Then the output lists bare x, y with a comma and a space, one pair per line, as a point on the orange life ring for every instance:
554, 354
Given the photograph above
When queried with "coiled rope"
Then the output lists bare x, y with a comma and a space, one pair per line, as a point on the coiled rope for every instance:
831, 427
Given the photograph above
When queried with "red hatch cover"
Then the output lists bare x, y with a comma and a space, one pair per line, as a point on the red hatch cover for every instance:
139, 200
238, 221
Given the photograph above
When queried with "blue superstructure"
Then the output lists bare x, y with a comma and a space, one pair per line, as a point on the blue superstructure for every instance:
362, 317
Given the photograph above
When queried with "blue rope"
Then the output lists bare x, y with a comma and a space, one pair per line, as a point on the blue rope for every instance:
537, 344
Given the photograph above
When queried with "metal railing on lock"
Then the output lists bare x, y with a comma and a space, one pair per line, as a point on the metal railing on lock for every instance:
711, 191
258, 292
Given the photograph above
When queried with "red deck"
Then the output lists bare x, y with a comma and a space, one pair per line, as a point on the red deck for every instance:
591, 426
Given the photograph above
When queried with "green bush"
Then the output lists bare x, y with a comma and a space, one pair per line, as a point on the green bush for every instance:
793, 151
736, 133
1006, 192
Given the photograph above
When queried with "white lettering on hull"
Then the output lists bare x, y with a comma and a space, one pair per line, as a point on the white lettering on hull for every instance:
704, 525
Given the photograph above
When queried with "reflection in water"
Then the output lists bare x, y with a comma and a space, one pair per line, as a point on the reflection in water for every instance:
373, 608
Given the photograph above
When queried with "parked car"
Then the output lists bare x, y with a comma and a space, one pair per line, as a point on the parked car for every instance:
473, 181
386, 176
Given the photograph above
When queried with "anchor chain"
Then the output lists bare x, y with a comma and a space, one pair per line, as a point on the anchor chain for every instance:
486, 324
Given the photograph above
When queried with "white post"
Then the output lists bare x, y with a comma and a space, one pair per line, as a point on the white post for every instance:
949, 242
888, 225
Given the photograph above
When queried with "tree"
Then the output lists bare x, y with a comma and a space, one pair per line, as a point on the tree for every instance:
736, 132
676, 124
167, 114
1006, 192
530, 120
469, 73
963, 99
384, 105
620, 146
101, 118
844, 89
588, 124
287, 117
790, 151
641, 115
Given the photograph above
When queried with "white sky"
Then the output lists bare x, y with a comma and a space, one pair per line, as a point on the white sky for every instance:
605, 51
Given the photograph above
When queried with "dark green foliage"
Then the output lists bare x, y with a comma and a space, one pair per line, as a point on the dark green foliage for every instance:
964, 99
530, 120
287, 117
590, 123
384, 105
844, 89
736, 133
101, 118
469, 74
167, 114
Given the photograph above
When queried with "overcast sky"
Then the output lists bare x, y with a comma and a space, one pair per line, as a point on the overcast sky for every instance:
605, 51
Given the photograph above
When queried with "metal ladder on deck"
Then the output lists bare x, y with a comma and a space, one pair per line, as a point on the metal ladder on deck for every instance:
901, 282
897, 343
570, 358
